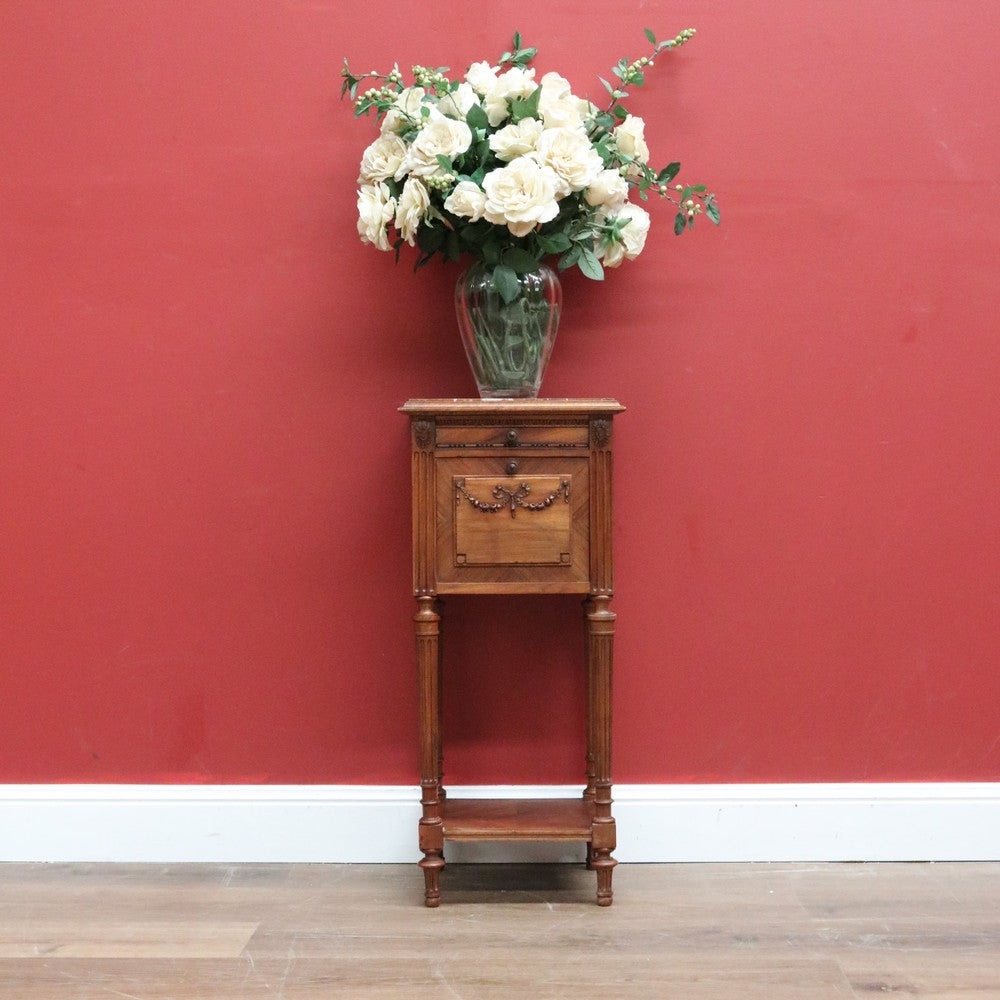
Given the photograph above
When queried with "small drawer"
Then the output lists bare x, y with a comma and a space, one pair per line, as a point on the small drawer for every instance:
513, 435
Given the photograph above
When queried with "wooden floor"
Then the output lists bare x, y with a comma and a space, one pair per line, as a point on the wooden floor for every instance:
675, 932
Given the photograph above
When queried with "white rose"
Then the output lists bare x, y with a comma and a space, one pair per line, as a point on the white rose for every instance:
629, 139
609, 189
459, 102
513, 141
413, 204
440, 137
520, 195
376, 208
481, 76
633, 237
563, 114
557, 106
571, 155
467, 200
554, 87
406, 111
382, 158
515, 83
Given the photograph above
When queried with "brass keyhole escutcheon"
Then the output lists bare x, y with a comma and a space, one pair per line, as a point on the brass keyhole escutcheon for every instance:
512, 468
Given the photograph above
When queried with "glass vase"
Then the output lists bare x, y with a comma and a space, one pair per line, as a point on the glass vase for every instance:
508, 344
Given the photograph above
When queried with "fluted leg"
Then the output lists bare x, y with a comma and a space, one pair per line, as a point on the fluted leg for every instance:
600, 643
427, 624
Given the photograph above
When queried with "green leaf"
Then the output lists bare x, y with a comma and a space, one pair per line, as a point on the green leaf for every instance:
517, 40
477, 118
505, 280
430, 239
444, 163
519, 261
711, 209
525, 56
603, 147
668, 173
700, 188
553, 243
650, 36
570, 257
491, 253
590, 265
607, 86
680, 221
526, 107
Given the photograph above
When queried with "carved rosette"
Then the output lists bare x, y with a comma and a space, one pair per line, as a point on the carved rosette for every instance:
423, 434
600, 433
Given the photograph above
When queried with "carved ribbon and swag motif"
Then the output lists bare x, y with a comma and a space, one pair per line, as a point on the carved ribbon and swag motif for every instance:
511, 500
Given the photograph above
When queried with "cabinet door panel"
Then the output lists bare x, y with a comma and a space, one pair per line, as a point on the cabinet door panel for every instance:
513, 521
513, 533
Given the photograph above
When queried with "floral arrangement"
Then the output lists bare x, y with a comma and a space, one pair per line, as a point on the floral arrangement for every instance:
510, 170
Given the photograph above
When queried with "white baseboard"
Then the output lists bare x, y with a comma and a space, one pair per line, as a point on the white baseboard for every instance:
349, 823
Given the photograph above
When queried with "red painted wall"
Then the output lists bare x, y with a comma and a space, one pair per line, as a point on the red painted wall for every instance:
204, 510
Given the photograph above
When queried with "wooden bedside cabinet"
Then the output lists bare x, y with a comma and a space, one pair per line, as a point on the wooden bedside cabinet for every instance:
513, 496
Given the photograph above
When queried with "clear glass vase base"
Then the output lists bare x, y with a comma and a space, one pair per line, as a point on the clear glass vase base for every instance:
508, 339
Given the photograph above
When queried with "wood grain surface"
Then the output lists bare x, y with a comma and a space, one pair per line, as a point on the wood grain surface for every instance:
678, 932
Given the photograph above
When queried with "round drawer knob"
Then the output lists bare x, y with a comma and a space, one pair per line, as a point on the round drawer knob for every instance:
512, 468
512, 438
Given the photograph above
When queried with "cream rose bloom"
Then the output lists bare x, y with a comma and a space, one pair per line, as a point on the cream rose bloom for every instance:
459, 102
513, 141
467, 199
481, 76
414, 201
572, 157
633, 237
557, 105
630, 140
609, 189
376, 208
406, 110
441, 136
515, 83
521, 195
382, 158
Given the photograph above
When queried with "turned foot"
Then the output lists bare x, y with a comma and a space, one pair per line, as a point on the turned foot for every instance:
432, 863
604, 865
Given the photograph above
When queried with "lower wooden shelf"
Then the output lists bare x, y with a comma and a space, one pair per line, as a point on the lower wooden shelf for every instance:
517, 819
